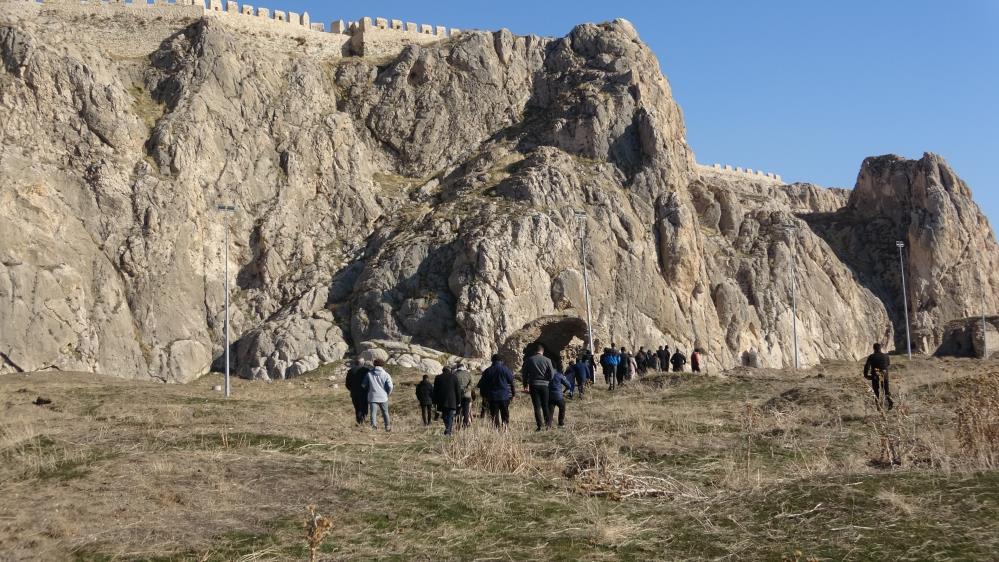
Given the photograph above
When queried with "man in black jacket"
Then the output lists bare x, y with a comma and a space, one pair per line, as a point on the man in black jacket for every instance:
678, 360
876, 371
358, 394
447, 396
425, 396
537, 374
664, 355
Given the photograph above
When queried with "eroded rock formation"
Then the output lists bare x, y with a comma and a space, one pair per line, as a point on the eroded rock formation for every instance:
428, 198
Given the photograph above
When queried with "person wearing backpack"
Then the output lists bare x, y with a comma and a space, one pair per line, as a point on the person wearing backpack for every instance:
425, 396
379, 386
537, 374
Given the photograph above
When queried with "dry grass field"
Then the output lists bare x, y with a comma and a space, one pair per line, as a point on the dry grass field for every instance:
749, 465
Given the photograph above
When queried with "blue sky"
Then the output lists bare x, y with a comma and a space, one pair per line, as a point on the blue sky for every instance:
803, 88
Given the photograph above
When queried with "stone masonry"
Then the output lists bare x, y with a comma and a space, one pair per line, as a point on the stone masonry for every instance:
369, 36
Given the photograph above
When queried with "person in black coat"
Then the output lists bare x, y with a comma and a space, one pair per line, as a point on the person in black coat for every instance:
876, 370
358, 393
425, 396
664, 356
447, 396
678, 360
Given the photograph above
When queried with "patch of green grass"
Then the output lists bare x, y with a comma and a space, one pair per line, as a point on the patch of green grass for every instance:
73, 468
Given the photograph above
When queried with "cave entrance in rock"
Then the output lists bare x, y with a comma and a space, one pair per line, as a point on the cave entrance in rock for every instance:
555, 333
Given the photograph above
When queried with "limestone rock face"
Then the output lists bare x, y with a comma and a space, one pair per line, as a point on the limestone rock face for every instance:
415, 207
950, 253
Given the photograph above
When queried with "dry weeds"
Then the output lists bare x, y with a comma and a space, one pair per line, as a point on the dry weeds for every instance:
754, 465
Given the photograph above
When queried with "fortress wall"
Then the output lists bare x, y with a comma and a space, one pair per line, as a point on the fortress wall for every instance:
740, 173
381, 36
369, 36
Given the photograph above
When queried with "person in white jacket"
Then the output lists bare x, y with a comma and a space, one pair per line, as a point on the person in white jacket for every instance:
379, 385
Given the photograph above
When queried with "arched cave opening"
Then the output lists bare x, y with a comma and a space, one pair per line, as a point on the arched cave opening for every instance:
556, 333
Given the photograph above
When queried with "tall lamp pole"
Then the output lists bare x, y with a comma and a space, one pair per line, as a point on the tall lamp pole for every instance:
226, 210
791, 230
581, 220
905, 298
985, 345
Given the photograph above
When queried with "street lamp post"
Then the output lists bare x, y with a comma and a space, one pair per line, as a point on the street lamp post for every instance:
985, 344
905, 298
791, 231
581, 220
226, 210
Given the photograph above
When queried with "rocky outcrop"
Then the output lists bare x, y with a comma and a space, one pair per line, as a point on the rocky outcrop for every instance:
425, 201
970, 337
950, 252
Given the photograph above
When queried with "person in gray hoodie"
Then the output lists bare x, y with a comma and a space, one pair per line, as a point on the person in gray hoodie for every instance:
379, 385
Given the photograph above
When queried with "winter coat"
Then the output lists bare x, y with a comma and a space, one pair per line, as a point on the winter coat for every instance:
356, 382
497, 383
379, 385
447, 391
537, 370
614, 359
580, 371
695, 360
555, 388
425, 393
465, 380
678, 360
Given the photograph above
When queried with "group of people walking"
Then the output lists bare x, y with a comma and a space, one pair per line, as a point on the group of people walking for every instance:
450, 395
619, 365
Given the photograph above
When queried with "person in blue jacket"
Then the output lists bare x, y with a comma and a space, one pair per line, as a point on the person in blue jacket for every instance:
497, 388
578, 373
556, 398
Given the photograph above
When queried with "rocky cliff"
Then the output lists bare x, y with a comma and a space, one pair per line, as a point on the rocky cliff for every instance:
425, 197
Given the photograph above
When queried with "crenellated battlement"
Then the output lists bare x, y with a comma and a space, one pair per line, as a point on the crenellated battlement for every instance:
395, 32
744, 173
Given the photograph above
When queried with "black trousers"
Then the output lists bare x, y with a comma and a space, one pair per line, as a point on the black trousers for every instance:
499, 410
560, 404
360, 408
879, 382
621, 372
426, 411
539, 399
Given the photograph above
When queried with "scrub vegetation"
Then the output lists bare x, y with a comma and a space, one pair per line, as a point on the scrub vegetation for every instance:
749, 464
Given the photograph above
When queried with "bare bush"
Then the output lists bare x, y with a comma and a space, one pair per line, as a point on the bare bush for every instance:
485, 448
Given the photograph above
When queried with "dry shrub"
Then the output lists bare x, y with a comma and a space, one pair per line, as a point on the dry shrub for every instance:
598, 469
485, 448
317, 528
978, 422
